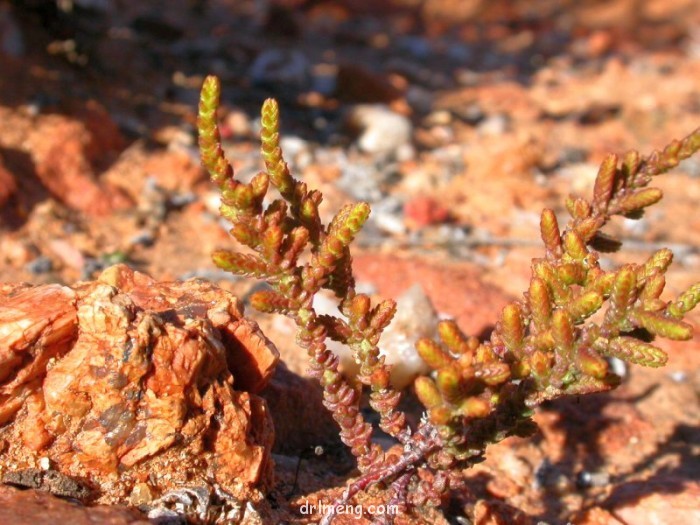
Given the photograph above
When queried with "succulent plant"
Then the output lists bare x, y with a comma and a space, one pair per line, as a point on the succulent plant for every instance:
553, 342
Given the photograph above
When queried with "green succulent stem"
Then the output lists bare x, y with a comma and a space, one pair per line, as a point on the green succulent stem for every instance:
546, 345
280, 233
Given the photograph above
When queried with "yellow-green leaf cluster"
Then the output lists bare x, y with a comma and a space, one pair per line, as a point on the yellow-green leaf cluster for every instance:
554, 341
574, 315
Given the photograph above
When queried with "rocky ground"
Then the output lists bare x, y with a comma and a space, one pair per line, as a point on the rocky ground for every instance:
458, 121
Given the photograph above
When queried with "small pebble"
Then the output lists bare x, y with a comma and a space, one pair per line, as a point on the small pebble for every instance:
144, 238
212, 202
420, 99
467, 77
422, 211
15, 251
587, 479
416, 46
238, 123
556, 481
361, 182
461, 53
383, 130
618, 366
324, 79
140, 495
296, 151
91, 267
280, 67
438, 118
472, 114
11, 39
679, 376
178, 200
637, 227
415, 318
67, 253
41, 264
494, 125
387, 216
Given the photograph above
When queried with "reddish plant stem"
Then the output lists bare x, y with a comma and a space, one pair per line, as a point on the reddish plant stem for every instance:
424, 441
338, 395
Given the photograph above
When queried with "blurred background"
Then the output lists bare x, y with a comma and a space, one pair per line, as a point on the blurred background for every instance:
456, 120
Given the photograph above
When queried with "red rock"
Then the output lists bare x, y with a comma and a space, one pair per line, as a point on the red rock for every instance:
253, 361
599, 43
595, 516
451, 12
67, 154
105, 138
424, 211
120, 378
663, 500
514, 475
29, 507
42, 333
16, 250
7, 184
355, 83
454, 289
174, 171
624, 439
496, 512
69, 254
288, 394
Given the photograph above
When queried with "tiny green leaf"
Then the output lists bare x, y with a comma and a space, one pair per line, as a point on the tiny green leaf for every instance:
451, 384
241, 264
585, 305
640, 199
474, 407
540, 303
427, 392
591, 363
512, 328
634, 351
663, 326
574, 246
493, 373
454, 339
686, 302
271, 151
562, 329
434, 356
604, 182
271, 302
549, 230
621, 296
210, 151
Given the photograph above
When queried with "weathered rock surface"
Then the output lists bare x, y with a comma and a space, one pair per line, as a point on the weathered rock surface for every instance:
68, 156
7, 184
125, 381
311, 424
28, 507
65, 164
454, 289
666, 499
